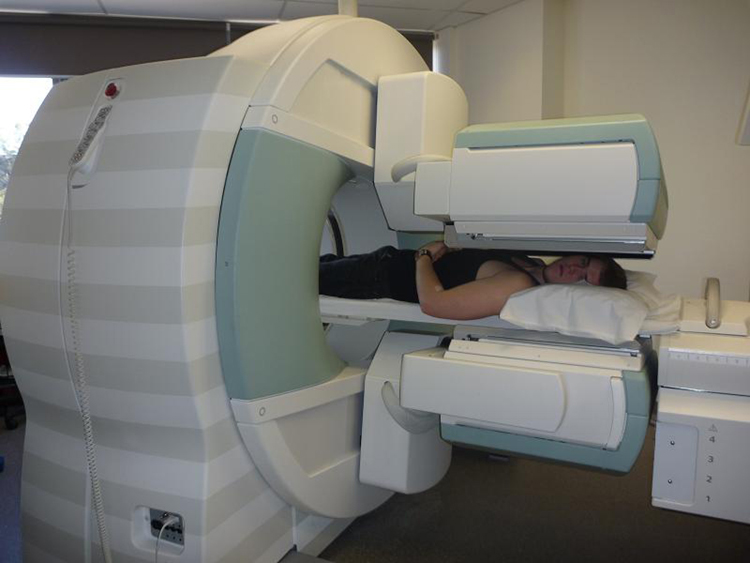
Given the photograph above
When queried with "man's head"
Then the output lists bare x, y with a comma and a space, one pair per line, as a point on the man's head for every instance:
594, 270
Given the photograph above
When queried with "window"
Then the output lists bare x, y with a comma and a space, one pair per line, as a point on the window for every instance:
20, 99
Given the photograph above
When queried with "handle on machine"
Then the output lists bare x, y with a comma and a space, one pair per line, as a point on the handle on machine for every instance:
713, 303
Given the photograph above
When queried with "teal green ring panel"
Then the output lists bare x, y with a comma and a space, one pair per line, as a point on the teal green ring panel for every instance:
276, 198
621, 460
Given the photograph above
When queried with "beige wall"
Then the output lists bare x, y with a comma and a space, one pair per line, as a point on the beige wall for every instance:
685, 65
497, 59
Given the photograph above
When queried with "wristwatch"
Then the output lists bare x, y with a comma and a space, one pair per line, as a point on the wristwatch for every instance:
422, 252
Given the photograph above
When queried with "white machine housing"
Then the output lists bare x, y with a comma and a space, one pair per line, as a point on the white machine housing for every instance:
112, 268
702, 453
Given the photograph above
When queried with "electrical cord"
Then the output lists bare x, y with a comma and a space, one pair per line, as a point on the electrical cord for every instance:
78, 377
168, 522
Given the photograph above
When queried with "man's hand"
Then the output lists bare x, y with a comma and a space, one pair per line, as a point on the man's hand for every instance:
437, 249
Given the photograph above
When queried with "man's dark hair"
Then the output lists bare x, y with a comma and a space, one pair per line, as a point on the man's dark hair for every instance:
612, 274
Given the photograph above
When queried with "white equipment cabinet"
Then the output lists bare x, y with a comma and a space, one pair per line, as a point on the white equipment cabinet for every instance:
702, 452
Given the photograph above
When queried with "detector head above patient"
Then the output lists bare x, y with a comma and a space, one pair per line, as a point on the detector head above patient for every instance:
553, 186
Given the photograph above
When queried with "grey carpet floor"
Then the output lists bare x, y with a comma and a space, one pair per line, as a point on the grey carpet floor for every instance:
11, 448
484, 510
528, 511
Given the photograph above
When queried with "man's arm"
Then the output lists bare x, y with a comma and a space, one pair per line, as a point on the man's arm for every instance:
473, 300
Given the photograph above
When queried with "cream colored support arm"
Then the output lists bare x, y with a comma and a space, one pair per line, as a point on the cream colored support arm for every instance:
415, 422
408, 165
348, 8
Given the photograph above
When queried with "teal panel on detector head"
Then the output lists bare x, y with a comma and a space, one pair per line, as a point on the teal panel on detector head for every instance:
620, 460
651, 205
276, 198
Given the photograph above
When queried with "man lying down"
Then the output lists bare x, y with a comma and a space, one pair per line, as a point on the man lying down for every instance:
461, 284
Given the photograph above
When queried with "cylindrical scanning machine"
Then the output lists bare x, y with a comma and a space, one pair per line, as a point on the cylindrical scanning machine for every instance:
159, 249
159, 260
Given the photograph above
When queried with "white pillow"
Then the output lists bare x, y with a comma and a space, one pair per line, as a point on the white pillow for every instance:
612, 315
663, 310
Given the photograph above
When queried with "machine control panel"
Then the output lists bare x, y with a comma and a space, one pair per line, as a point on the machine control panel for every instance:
93, 128
702, 454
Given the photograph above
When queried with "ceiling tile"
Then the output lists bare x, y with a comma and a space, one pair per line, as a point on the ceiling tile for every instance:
200, 9
403, 18
415, 4
53, 6
295, 10
455, 19
404, 4
486, 6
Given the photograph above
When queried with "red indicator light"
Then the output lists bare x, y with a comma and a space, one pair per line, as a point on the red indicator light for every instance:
111, 90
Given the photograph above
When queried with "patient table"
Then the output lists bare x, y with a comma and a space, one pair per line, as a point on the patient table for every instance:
186, 388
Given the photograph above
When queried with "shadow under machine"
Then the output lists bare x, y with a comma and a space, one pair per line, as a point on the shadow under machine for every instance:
160, 247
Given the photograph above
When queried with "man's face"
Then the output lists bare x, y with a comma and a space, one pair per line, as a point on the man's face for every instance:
573, 269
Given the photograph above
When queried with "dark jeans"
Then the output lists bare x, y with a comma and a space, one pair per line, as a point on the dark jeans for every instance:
385, 272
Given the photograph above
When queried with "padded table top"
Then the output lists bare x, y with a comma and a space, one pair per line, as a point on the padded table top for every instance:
365, 310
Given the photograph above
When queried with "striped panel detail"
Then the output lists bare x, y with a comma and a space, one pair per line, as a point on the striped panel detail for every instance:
44, 542
152, 151
267, 543
30, 260
33, 554
168, 78
188, 444
132, 189
178, 411
224, 504
31, 327
78, 92
150, 266
52, 524
138, 470
151, 226
57, 392
38, 226
172, 343
68, 451
203, 75
124, 374
43, 157
124, 551
314, 533
178, 113
67, 484
122, 500
114, 227
135, 304
60, 124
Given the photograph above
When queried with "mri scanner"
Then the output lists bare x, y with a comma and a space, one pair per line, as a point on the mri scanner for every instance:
188, 392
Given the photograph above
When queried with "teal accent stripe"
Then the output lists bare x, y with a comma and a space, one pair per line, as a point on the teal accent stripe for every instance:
276, 197
618, 461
